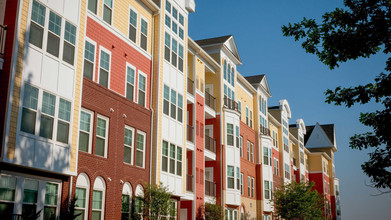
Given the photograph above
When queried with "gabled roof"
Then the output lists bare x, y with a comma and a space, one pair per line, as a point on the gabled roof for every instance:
259, 80
320, 136
227, 41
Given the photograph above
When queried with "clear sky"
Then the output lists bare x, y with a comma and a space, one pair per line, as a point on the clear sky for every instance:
301, 79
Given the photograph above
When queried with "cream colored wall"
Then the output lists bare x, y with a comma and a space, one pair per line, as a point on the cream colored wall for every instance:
315, 162
246, 100
200, 75
250, 206
214, 79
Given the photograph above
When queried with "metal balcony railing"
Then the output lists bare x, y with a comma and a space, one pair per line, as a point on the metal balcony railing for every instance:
3, 32
210, 188
190, 133
11, 216
264, 130
190, 86
189, 183
210, 101
210, 144
286, 148
294, 161
231, 104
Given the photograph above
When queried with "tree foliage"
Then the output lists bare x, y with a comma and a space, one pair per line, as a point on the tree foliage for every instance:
298, 201
156, 202
361, 29
212, 211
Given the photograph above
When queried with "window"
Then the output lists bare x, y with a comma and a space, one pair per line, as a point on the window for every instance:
173, 104
47, 115
180, 108
180, 59
237, 178
301, 157
130, 83
252, 187
107, 10
167, 46
241, 184
141, 89
172, 158
7, 195
140, 157
248, 150
240, 106
247, 117
89, 59
230, 134
144, 34
51, 197
241, 145
276, 167
231, 177
37, 24
174, 52
126, 201
92, 5
166, 100
251, 118
64, 118
232, 76
249, 186
104, 68
98, 196
128, 145
179, 161
287, 171
102, 125
30, 197
225, 69
132, 25
85, 130
29, 111
237, 137
82, 187
69, 43
54, 34
165, 156
265, 156
252, 152
137, 201
267, 189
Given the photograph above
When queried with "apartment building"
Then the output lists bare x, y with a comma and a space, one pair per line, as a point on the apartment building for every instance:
106, 96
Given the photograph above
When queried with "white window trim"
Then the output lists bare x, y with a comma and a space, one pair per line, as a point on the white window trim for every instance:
87, 188
146, 87
91, 132
112, 12
107, 134
144, 149
95, 61
141, 33
135, 80
101, 48
103, 190
233, 177
131, 147
137, 22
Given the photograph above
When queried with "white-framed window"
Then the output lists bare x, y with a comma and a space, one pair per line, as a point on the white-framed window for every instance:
237, 178
249, 186
82, 195
104, 67
247, 117
144, 34
251, 118
301, 154
126, 201
174, 52
85, 130
248, 151
69, 43
180, 108
287, 171
276, 167
142, 89
230, 177
237, 133
266, 156
173, 104
241, 145
267, 189
51, 200
130, 81
137, 200
64, 118
165, 156
133, 25
140, 149
166, 100
167, 46
30, 197
231, 214
89, 59
54, 34
101, 138
107, 10
172, 158
180, 57
30, 108
47, 115
240, 106
230, 134
128, 145
252, 187
37, 24
7, 196
92, 6
252, 152
241, 184
98, 199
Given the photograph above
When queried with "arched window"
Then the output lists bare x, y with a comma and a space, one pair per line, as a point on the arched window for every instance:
242, 213
137, 201
82, 195
98, 198
126, 201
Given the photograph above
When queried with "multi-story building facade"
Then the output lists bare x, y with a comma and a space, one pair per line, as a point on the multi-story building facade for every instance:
106, 96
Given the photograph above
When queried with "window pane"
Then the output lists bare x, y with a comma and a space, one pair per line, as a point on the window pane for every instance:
96, 215
38, 13
144, 27
101, 127
103, 78
30, 191
141, 98
7, 188
107, 14
88, 69
130, 75
53, 44
129, 91
89, 51
230, 171
46, 129
62, 132
128, 137
97, 199
175, 13
81, 197
36, 35
55, 23
143, 42
181, 20
28, 121
49, 213
48, 103
92, 5
100, 146
132, 33
140, 142
105, 60
28, 210
139, 159
70, 33
64, 111
51, 194
168, 21
127, 155
85, 119
30, 99
133, 18
68, 53
165, 148
125, 203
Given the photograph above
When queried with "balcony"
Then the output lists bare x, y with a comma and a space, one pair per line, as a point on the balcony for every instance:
231, 104
210, 188
210, 146
294, 162
286, 148
264, 130
3, 32
189, 183
190, 138
190, 90
210, 106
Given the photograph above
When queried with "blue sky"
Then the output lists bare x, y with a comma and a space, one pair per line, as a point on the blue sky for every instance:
301, 79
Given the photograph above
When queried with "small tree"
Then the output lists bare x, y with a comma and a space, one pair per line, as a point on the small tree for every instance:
70, 211
156, 202
213, 211
298, 201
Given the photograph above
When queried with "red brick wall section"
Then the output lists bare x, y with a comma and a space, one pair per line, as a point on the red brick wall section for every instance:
247, 167
121, 53
317, 178
98, 99
199, 150
333, 208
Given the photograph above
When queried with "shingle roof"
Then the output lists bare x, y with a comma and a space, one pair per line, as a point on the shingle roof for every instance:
255, 80
215, 40
328, 129
274, 107
309, 130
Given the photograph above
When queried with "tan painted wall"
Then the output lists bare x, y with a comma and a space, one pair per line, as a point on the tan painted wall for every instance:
315, 162
246, 100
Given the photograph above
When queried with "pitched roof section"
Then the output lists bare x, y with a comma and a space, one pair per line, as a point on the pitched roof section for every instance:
320, 136
215, 40
227, 41
254, 79
259, 80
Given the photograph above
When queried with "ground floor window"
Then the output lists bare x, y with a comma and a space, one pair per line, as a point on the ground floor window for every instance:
231, 214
